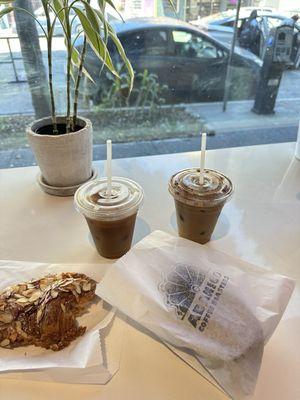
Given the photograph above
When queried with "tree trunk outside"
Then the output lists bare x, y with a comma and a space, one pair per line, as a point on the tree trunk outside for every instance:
32, 58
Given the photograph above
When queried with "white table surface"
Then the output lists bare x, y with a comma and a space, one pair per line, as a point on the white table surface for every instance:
261, 225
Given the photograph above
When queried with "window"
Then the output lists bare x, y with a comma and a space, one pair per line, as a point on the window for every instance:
230, 24
133, 43
156, 42
148, 42
180, 63
272, 22
190, 45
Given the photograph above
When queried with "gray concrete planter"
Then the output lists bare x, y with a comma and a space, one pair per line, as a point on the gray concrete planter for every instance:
64, 160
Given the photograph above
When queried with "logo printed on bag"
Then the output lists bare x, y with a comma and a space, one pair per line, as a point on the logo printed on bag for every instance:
193, 294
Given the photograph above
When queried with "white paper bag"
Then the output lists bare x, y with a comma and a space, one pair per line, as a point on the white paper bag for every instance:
91, 358
213, 310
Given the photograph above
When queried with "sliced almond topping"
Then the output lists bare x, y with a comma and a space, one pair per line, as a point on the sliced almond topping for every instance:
20, 330
30, 286
54, 293
28, 292
6, 318
5, 343
78, 288
86, 286
13, 336
39, 315
63, 307
22, 300
36, 295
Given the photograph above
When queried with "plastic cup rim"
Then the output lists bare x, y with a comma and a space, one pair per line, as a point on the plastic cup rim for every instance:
109, 214
201, 202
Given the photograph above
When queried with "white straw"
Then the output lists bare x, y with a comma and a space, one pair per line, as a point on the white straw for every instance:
202, 157
108, 166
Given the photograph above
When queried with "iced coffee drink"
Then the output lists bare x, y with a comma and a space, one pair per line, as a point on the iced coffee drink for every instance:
199, 203
110, 215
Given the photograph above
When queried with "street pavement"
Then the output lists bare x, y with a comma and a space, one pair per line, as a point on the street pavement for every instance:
238, 116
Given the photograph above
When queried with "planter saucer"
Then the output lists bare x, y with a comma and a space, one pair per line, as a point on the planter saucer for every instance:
62, 190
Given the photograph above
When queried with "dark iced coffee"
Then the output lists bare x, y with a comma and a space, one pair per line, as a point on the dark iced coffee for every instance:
198, 204
110, 215
112, 238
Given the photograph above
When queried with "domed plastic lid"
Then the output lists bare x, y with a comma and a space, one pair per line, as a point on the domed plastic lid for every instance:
92, 198
185, 187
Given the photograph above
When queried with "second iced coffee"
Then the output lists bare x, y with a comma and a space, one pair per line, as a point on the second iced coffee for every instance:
199, 201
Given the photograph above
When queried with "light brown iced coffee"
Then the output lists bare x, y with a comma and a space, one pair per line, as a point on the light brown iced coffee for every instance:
110, 216
198, 205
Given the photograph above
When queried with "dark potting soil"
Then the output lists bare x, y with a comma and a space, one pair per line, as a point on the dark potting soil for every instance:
48, 129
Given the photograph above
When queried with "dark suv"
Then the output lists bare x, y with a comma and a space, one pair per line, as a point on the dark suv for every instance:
191, 63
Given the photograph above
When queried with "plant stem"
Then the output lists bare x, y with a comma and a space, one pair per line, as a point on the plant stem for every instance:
68, 118
69, 53
50, 77
78, 79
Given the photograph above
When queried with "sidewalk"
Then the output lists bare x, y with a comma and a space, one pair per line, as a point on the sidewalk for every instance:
239, 116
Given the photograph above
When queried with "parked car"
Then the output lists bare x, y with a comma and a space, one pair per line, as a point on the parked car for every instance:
190, 62
220, 25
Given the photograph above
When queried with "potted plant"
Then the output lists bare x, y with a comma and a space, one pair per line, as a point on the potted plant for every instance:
63, 144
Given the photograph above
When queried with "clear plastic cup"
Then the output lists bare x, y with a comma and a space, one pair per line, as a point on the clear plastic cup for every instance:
111, 220
198, 206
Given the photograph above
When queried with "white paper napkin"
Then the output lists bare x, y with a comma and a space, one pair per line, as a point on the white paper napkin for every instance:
87, 359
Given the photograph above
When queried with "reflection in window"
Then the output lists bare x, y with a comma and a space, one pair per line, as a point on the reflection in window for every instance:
150, 42
134, 44
193, 46
156, 42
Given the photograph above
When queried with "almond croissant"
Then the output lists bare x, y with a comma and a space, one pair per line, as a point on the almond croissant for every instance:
43, 312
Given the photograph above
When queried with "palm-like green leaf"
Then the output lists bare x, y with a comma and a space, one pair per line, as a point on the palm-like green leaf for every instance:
92, 16
5, 11
95, 40
76, 59
118, 44
122, 53
102, 4
60, 11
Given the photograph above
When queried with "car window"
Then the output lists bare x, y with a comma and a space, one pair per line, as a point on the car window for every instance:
133, 43
187, 44
156, 42
229, 23
273, 22
147, 42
